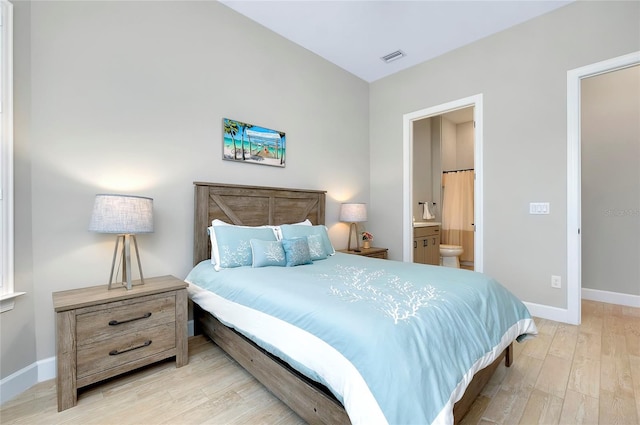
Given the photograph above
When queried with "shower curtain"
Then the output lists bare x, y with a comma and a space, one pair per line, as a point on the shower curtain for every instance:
457, 211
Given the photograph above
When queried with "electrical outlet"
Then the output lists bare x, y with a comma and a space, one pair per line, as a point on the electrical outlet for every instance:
556, 282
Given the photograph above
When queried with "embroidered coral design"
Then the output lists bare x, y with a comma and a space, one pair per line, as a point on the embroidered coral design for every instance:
386, 292
299, 251
239, 256
316, 249
274, 252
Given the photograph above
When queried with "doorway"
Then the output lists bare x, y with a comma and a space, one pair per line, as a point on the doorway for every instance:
574, 182
473, 103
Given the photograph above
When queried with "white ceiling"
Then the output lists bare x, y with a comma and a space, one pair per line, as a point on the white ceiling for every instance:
355, 34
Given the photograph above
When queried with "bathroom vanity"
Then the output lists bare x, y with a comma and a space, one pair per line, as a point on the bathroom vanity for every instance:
426, 242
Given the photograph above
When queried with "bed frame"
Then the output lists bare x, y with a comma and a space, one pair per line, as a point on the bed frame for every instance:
258, 205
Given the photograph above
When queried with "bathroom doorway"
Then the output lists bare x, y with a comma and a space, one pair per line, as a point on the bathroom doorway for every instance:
443, 144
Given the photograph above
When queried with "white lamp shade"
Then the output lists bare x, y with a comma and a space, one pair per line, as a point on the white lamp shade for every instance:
122, 214
353, 212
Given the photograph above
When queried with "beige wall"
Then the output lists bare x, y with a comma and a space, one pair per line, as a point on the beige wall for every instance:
457, 145
17, 326
610, 151
129, 97
422, 160
522, 74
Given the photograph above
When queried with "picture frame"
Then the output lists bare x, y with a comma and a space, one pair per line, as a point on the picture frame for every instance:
253, 144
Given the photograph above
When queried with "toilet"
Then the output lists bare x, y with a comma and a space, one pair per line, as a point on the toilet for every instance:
450, 255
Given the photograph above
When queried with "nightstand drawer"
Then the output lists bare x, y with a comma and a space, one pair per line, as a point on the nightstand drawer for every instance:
111, 320
115, 352
381, 254
372, 252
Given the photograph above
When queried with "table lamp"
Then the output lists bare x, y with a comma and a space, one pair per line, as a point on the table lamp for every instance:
353, 213
124, 215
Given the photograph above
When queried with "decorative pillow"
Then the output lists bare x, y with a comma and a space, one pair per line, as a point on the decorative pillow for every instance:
292, 231
234, 247
267, 253
316, 248
296, 252
215, 252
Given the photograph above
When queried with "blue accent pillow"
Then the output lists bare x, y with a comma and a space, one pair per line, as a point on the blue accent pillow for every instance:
296, 251
292, 231
234, 247
267, 253
316, 247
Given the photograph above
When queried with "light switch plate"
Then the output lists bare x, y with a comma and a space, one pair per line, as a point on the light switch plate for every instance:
538, 208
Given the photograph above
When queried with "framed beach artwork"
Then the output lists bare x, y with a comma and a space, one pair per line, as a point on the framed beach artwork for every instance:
242, 142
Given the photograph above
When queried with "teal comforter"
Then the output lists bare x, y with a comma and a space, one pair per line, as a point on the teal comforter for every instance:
415, 333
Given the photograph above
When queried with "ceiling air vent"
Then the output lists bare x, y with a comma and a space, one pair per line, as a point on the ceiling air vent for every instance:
393, 56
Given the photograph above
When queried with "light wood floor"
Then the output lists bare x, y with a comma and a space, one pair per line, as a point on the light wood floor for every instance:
587, 374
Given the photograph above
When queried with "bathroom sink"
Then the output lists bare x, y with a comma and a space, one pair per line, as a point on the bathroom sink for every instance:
425, 223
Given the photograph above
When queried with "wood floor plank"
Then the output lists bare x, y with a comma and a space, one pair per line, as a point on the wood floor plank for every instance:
634, 362
539, 346
617, 408
589, 345
564, 341
506, 407
579, 409
632, 335
522, 374
615, 374
592, 324
554, 376
585, 376
542, 408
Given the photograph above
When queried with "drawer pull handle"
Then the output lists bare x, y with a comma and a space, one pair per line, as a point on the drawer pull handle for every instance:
117, 322
116, 352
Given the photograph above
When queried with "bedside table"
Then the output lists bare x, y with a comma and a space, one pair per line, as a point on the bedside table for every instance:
102, 333
368, 252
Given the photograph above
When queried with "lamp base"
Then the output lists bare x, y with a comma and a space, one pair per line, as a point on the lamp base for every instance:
353, 229
125, 253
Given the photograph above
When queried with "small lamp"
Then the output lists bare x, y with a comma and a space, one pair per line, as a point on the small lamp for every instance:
126, 216
353, 213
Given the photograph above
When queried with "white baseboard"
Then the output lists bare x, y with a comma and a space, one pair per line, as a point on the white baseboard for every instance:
611, 297
18, 382
562, 314
25, 378
46, 369
547, 312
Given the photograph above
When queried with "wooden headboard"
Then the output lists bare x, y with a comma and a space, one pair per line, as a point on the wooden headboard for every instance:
250, 206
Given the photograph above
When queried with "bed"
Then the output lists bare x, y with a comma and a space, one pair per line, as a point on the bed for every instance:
322, 376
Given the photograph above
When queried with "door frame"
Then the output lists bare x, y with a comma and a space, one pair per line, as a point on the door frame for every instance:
474, 101
574, 175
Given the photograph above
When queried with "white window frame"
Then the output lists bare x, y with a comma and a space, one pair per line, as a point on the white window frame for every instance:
7, 294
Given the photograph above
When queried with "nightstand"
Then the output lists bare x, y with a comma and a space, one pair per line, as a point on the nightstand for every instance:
369, 252
102, 333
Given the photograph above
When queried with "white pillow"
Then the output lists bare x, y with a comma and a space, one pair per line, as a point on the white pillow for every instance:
276, 229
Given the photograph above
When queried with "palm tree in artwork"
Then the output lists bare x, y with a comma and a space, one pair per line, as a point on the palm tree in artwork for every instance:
245, 127
231, 128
